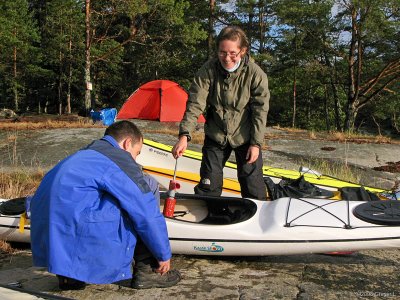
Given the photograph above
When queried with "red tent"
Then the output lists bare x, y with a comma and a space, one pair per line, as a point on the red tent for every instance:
162, 100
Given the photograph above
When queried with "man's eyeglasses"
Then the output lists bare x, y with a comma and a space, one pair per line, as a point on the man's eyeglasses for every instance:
230, 54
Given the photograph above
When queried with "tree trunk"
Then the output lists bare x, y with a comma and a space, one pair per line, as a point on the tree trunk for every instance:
394, 123
88, 85
15, 74
351, 114
95, 93
294, 80
308, 108
354, 69
210, 40
60, 85
261, 25
294, 97
68, 107
250, 30
336, 105
46, 105
377, 126
326, 107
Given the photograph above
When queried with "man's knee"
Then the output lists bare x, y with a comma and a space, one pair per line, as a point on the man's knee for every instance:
209, 185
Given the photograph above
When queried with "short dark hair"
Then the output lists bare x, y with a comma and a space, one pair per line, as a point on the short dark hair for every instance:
123, 129
233, 33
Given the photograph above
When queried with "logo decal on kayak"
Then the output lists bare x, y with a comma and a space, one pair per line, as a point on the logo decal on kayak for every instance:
158, 152
212, 248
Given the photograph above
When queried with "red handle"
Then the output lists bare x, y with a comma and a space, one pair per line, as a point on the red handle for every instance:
173, 185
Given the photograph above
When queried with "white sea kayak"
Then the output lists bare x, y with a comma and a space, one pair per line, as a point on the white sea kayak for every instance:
247, 227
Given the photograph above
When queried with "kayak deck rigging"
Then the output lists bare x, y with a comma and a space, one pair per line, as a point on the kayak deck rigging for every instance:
299, 212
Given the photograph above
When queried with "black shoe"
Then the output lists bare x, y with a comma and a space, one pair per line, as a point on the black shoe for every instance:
145, 279
66, 283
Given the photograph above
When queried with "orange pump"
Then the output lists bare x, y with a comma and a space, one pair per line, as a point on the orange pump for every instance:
169, 205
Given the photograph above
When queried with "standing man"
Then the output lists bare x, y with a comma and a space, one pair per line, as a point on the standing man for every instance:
232, 91
91, 211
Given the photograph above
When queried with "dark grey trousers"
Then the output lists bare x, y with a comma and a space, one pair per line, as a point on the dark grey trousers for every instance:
211, 171
143, 257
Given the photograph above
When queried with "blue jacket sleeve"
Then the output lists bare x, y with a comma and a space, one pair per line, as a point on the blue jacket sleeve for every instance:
144, 212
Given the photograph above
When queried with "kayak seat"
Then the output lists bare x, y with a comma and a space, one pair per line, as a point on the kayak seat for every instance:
223, 214
211, 210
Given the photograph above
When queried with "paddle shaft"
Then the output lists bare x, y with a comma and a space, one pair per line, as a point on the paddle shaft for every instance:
176, 167
169, 205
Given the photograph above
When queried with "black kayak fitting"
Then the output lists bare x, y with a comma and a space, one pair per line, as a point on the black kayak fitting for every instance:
13, 207
386, 212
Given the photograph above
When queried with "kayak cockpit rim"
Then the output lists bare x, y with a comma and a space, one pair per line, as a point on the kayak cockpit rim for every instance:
211, 210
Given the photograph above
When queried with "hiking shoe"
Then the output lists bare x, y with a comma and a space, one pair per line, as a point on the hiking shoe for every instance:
66, 283
146, 280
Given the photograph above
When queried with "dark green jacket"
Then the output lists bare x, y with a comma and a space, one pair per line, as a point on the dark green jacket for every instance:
235, 104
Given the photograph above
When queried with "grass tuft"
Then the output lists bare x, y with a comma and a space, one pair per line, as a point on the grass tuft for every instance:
49, 124
338, 136
6, 247
19, 184
380, 139
335, 169
359, 138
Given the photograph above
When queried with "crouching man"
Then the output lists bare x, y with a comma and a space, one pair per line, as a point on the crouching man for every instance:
93, 209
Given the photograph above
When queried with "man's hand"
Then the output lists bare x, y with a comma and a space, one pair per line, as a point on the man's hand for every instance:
164, 267
252, 154
180, 146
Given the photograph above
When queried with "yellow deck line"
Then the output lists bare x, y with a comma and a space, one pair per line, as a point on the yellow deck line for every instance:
228, 185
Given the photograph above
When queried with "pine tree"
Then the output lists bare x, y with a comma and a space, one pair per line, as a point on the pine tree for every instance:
18, 50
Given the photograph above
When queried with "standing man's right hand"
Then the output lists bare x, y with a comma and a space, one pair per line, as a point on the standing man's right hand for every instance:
180, 146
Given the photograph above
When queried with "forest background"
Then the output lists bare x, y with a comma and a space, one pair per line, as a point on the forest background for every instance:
332, 64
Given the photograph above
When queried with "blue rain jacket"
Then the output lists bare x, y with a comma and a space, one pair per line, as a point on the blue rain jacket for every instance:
88, 211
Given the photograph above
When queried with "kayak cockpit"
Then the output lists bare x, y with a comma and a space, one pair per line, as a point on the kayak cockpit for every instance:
211, 210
